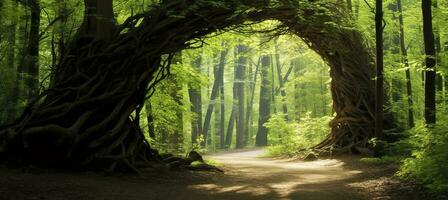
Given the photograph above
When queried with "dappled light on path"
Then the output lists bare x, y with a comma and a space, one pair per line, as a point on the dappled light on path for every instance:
285, 179
247, 177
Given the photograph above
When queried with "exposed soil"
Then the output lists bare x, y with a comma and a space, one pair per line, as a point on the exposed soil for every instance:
247, 176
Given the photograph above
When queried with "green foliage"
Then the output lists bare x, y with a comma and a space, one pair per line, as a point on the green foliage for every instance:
292, 138
429, 160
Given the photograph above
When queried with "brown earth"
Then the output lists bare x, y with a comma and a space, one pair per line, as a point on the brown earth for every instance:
247, 176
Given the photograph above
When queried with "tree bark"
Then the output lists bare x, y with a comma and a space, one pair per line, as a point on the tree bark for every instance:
240, 73
150, 119
405, 61
99, 19
30, 73
430, 61
223, 110
195, 95
265, 101
379, 70
11, 64
280, 82
252, 97
213, 95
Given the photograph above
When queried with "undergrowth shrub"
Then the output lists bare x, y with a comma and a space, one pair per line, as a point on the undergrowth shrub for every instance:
428, 162
289, 138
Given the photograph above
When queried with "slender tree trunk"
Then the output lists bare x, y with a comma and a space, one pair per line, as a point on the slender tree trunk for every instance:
213, 95
323, 92
196, 105
240, 72
274, 105
405, 61
379, 69
430, 61
349, 5
356, 9
438, 47
295, 65
150, 119
280, 82
396, 85
265, 101
230, 127
11, 107
31, 61
223, 110
252, 97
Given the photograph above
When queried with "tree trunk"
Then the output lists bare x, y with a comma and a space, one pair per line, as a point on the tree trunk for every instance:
195, 95
213, 95
379, 70
240, 73
150, 119
274, 105
295, 64
30, 68
252, 97
438, 47
99, 19
405, 61
265, 101
11, 104
430, 61
223, 110
280, 82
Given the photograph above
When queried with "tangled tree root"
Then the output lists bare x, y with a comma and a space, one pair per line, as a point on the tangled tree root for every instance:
89, 117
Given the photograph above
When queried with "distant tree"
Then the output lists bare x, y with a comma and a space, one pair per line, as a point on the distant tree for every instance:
240, 77
213, 95
405, 61
265, 101
195, 96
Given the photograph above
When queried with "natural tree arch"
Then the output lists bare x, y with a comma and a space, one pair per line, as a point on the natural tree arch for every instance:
85, 119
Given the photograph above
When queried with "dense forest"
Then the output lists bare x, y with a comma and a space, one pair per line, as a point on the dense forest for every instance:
118, 85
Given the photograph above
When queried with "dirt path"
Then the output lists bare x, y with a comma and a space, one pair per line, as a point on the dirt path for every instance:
284, 179
246, 177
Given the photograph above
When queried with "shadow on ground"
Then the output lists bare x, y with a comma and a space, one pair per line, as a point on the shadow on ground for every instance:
247, 177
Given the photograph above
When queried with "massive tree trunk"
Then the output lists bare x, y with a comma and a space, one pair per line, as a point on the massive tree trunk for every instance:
85, 119
430, 61
265, 102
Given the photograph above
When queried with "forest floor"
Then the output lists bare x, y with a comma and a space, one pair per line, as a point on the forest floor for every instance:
247, 176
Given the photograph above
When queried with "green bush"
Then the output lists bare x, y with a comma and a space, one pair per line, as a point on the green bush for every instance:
292, 138
429, 160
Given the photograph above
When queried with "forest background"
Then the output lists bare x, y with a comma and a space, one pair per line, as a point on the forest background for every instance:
248, 87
